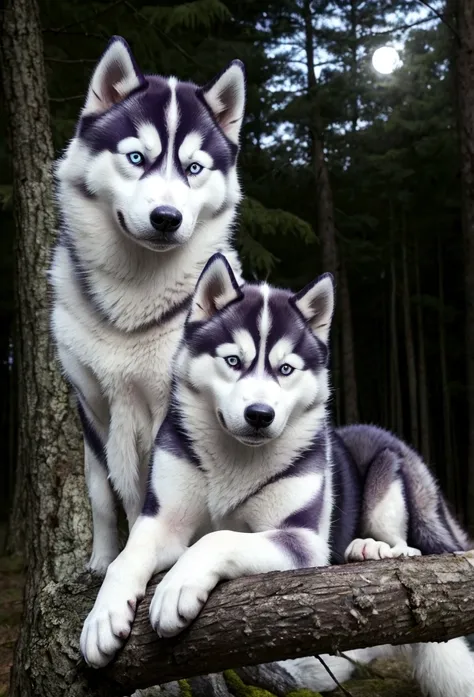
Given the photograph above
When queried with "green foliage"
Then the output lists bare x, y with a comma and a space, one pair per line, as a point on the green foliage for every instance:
257, 224
200, 15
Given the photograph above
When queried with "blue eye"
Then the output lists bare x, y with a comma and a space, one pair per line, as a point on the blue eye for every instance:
194, 168
286, 369
233, 362
136, 158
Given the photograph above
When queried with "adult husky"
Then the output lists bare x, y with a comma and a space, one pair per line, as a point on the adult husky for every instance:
246, 450
147, 191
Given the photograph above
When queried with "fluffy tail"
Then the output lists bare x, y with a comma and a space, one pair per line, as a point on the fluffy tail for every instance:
441, 669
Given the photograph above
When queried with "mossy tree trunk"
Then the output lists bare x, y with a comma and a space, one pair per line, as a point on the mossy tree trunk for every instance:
51, 505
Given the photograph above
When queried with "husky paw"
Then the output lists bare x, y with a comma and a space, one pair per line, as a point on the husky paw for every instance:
367, 550
405, 551
180, 597
108, 625
99, 563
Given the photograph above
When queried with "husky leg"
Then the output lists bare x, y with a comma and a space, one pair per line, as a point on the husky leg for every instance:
174, 510
384, 513
104, 518
128, 451
94, 417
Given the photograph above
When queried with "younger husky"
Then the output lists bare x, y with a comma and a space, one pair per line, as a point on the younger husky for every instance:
147, 191
246, 451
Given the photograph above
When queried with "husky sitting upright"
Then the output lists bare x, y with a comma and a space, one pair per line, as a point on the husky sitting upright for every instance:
147, 191
247, 455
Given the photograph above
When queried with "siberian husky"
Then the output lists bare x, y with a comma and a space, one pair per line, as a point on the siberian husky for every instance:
147, 191
247, 476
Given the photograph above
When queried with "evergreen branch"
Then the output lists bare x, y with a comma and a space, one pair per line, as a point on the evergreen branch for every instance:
82, 34
400, 27
66, 99
50, 59
441, 17
97, 13
163, 34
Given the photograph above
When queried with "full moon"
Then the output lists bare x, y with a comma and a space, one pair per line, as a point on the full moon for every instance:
385, 60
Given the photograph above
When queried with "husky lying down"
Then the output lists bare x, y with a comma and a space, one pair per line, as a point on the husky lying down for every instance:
147, 190
248, 476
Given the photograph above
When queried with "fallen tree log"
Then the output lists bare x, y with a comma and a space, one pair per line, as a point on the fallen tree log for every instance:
289, 614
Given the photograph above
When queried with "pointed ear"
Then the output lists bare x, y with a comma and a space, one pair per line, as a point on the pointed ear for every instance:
216, 288
316, 304
115, 76
225, 95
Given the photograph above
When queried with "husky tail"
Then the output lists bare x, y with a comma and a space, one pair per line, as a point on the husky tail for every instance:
441, 670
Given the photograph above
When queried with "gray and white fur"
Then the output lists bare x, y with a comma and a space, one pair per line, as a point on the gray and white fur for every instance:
147, 191
248, 476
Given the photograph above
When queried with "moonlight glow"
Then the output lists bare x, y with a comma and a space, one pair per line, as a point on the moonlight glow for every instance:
385, 60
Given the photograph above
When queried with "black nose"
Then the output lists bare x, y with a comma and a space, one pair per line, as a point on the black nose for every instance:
259, 415
166, 218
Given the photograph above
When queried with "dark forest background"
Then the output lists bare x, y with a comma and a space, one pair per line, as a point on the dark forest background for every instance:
344, 169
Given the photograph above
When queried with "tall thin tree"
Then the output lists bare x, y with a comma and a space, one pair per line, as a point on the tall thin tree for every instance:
409, 346
326, 224
465, 90
422, 367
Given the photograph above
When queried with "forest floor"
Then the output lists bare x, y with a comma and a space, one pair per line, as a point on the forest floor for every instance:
380, 679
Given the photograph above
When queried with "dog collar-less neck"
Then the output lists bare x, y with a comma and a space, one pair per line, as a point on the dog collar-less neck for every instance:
90, 297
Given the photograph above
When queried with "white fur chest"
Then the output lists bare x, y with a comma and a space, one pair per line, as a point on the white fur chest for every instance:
233, 474
138, 362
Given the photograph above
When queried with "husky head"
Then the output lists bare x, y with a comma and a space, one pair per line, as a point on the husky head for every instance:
157, 154
257, 354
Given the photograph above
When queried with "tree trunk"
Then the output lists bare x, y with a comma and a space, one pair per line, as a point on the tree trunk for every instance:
326, 226
277, 616
451, 472
410, 350
50, 455
335, 371
351, 408
465, 89
395, 389
422, 376
354, 70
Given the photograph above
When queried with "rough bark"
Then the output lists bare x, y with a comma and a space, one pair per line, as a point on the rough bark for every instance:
326, 225
272, 617
55, 515
465, 89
